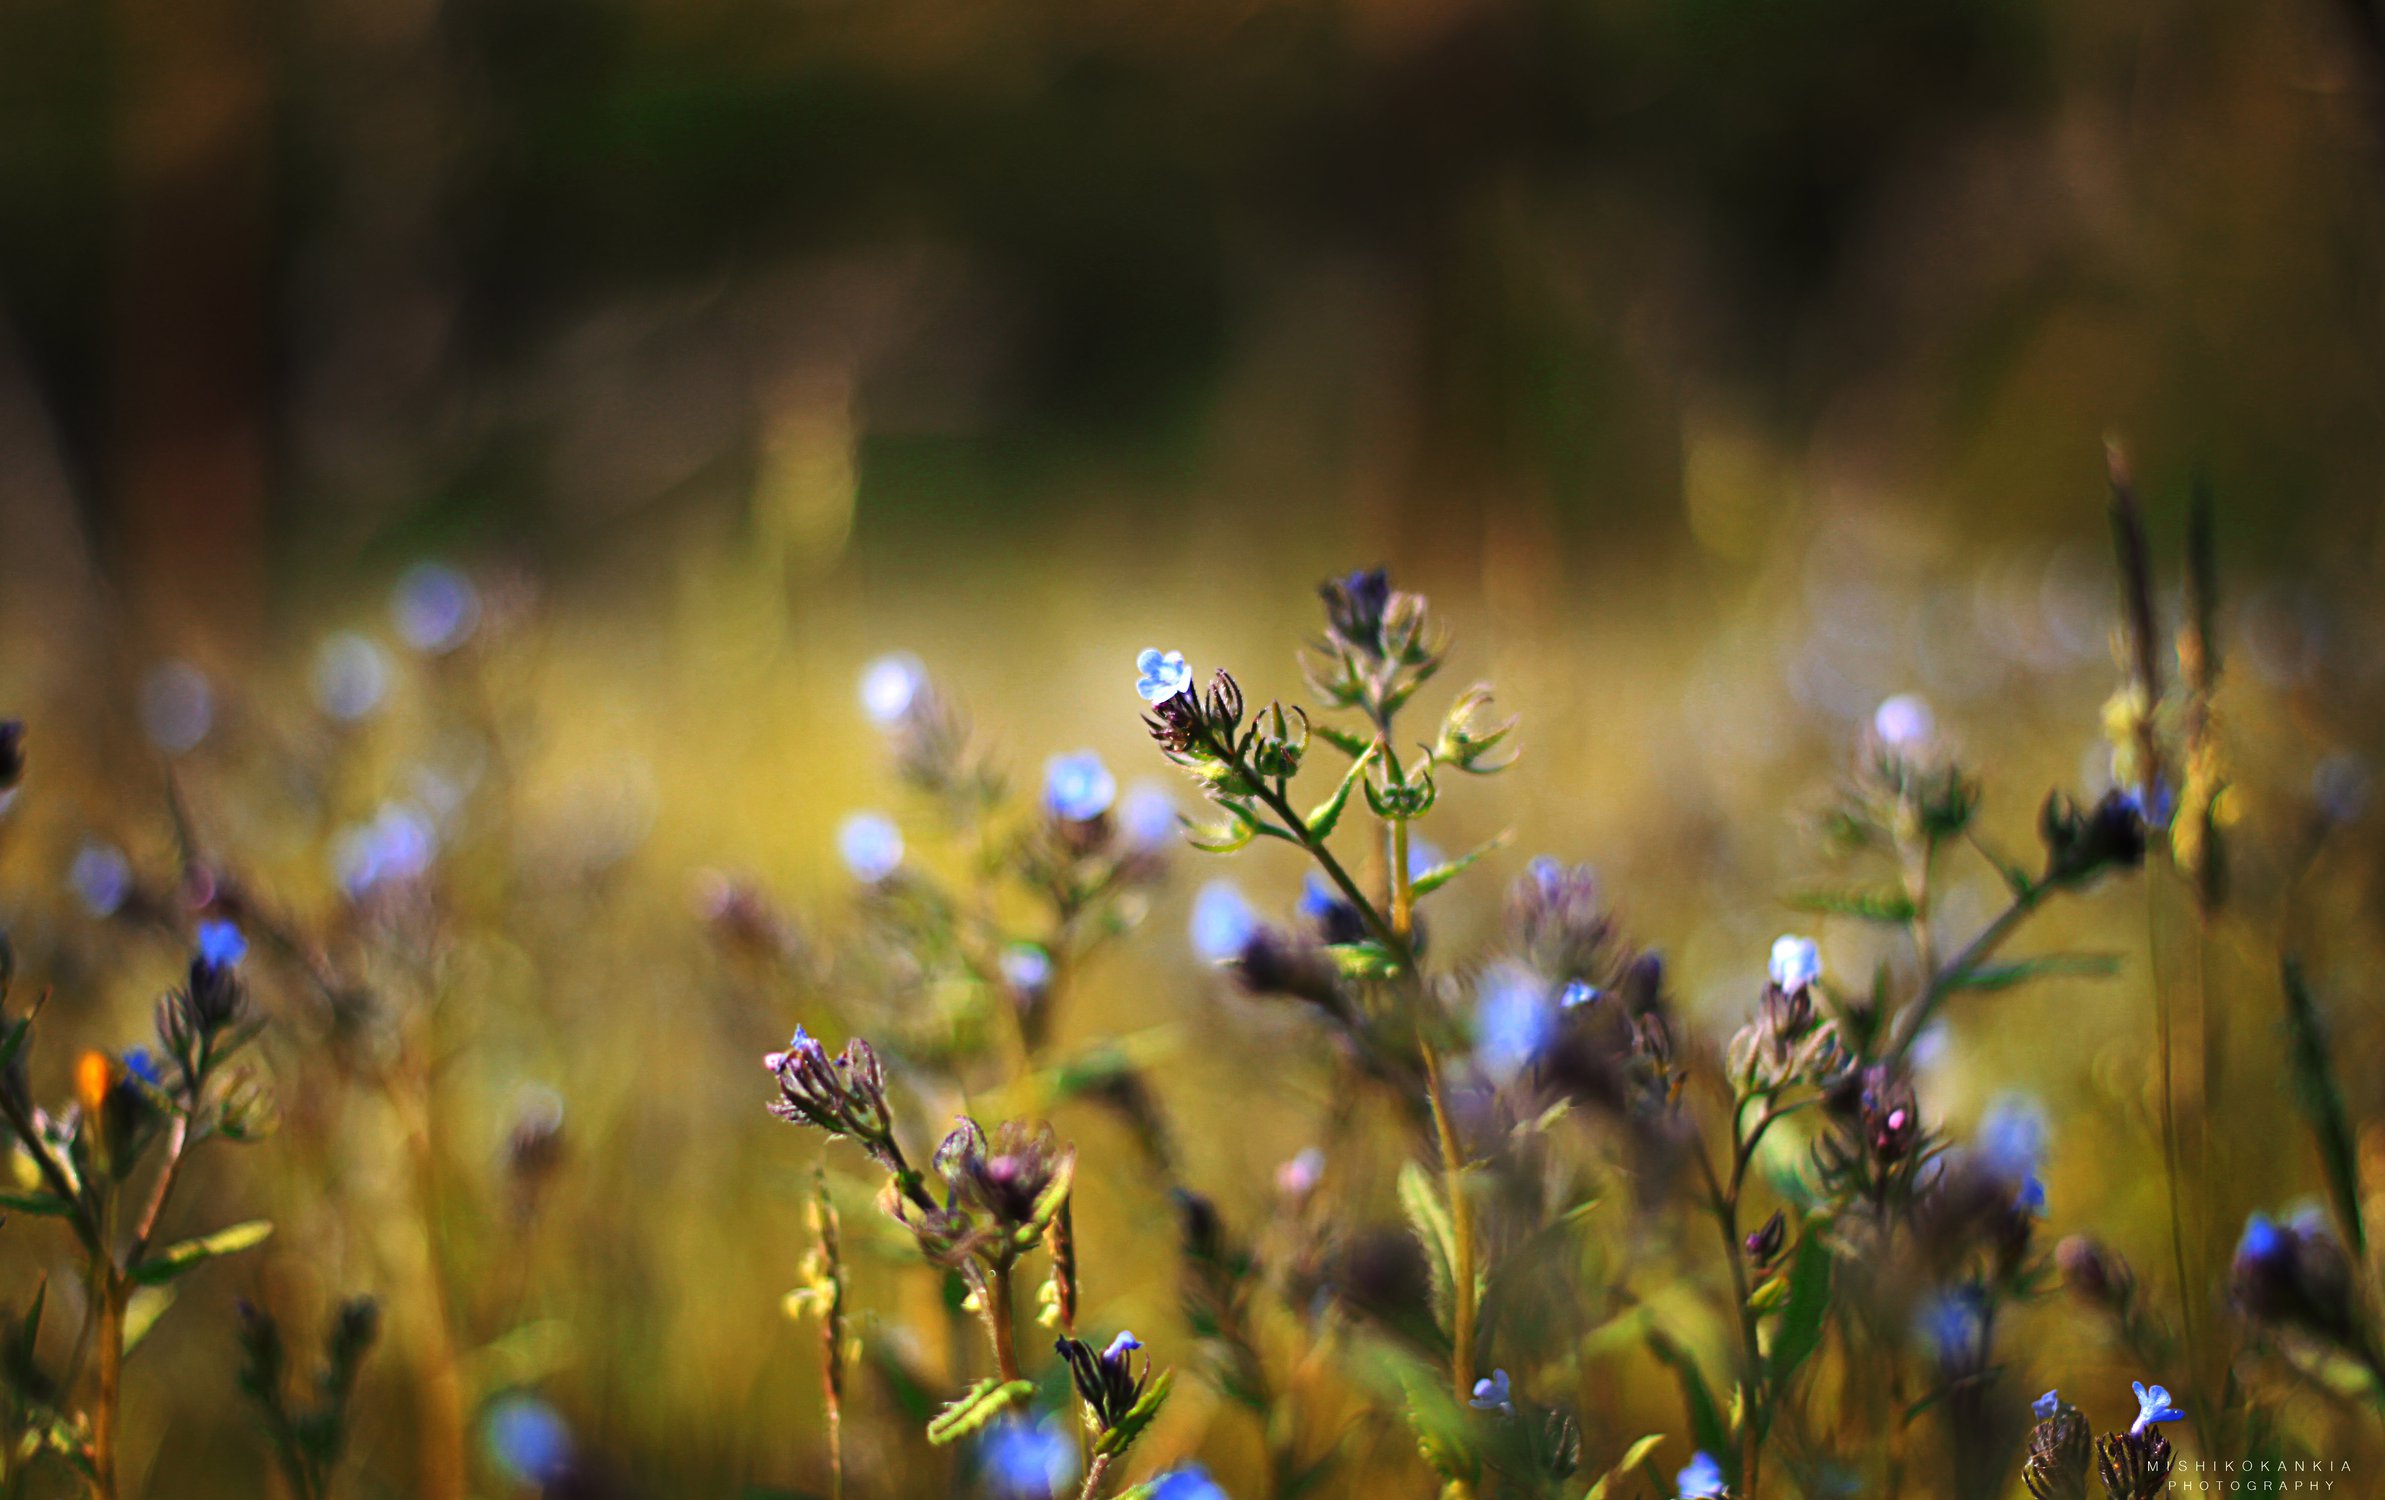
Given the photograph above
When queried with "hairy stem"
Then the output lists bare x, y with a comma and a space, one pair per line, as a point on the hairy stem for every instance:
1001, 1323
1095, 1473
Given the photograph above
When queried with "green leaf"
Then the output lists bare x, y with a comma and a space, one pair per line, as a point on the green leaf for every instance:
180, 1259
141, 1312
1441, 874
1800, 1330
2321, 1100
1138, 1417
46, 1204
1428, 1217
1891, 908
1364, 959
1325, 815
975, 1407
2004, 976
1705, 1418
1345, 741
1632, 1458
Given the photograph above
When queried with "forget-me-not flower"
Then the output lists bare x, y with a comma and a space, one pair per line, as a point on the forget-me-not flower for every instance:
870, 845
527, 1440
220, 944
2153, 1406
1578, 993
142, 1064
1148, 814
1796, 962
101, 878
1026, 1460
1512, 1020
890, 685
2046, 1405
1702, 1479
1164, 674
1904, 722
434, 607
1189, 1482
1222, 922
1078, 787
1493, 1393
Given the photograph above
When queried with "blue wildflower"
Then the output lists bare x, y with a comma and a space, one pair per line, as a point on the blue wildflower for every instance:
221, 945
2012, 1136
870, 845
1547, 875
1164, 674
1078, 787
1025, 1460
351, 676
434, 607
1148, 814
101, 878
1955, 1326
2046, 1405
1904, 722
890, 685
1512, 1020
1222, 922
1702, 1479
2153, 1406
1026, 968
1796, 962
177, 707
143, 1064
1188, 1482
1493, 1393
1578, 993
2262, 1240
527, 1440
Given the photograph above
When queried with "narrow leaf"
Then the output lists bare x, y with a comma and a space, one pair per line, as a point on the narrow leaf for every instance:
1325, 815
1892, 908
1800, 1330
2004, 976
975, 1407
1428, 1216
1441, 874
180, 1259
2322, 1102
47, 1205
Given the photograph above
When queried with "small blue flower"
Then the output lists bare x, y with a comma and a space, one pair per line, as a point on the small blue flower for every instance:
1512, 1020
2030, 1197
1222, 922
1493, 1393
434, 607
1078, 787
1298, 1177
142, 1064
101, 878
1955, 1326
1578, 993
890, 685
870, 845
2046, 1405
1702, 1479
1026, 1460
1164, 674
1148, 814
1189, 1482
2153, 1406
1124, 1344
1424, 855
351, 676
1796, 962
1547, 874
221, 945
527, 1440
1026, 968
2012, 1136
177, 707
2262, 1241
1905, 722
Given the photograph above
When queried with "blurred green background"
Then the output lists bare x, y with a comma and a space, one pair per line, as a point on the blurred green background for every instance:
1721, 367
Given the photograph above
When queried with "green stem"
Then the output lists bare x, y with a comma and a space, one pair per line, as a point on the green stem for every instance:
1095, 1473
1945, 981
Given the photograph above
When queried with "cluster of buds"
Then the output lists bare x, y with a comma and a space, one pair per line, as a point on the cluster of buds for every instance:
2296, 1275
1397, 793
844, 1096
1001, 1195
193, 1021
1877, 1144
1558, 916
1380, 644
2082, 844
1200, 734
1111, 1381
1789, 1040
2133, 1465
